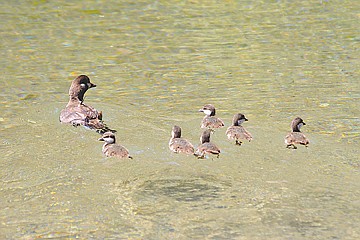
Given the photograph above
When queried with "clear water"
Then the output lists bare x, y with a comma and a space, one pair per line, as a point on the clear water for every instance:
155, 64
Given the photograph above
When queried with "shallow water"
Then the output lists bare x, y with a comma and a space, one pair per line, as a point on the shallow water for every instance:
155, 64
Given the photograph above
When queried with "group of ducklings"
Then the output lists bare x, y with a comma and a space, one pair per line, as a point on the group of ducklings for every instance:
210, 122
77, 113
235, 132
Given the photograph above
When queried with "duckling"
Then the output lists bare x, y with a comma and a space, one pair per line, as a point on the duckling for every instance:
178, 144
111, 149
210, 121
206, 146
296, 137
236, 131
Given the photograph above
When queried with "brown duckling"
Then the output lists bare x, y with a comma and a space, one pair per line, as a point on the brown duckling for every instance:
210, 121
296, 137
178, 144
111, 148
236, 131
206, 146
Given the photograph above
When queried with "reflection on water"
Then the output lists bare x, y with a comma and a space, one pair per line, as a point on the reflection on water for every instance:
155, 64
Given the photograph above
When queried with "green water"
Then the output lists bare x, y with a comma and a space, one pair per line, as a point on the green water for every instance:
155, 64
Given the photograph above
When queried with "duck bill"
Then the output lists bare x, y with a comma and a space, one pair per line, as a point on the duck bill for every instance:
91, 85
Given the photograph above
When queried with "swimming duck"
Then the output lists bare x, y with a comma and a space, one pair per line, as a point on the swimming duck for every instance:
76, 112
210, 121
206, 146
238, 132
296, 137
178, 144
111, 149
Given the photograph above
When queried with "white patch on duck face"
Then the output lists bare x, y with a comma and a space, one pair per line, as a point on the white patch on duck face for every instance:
300, 125
207, 112
83, 85
109, 139
240, 121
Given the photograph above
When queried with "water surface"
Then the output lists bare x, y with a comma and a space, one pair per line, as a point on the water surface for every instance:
155, 64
